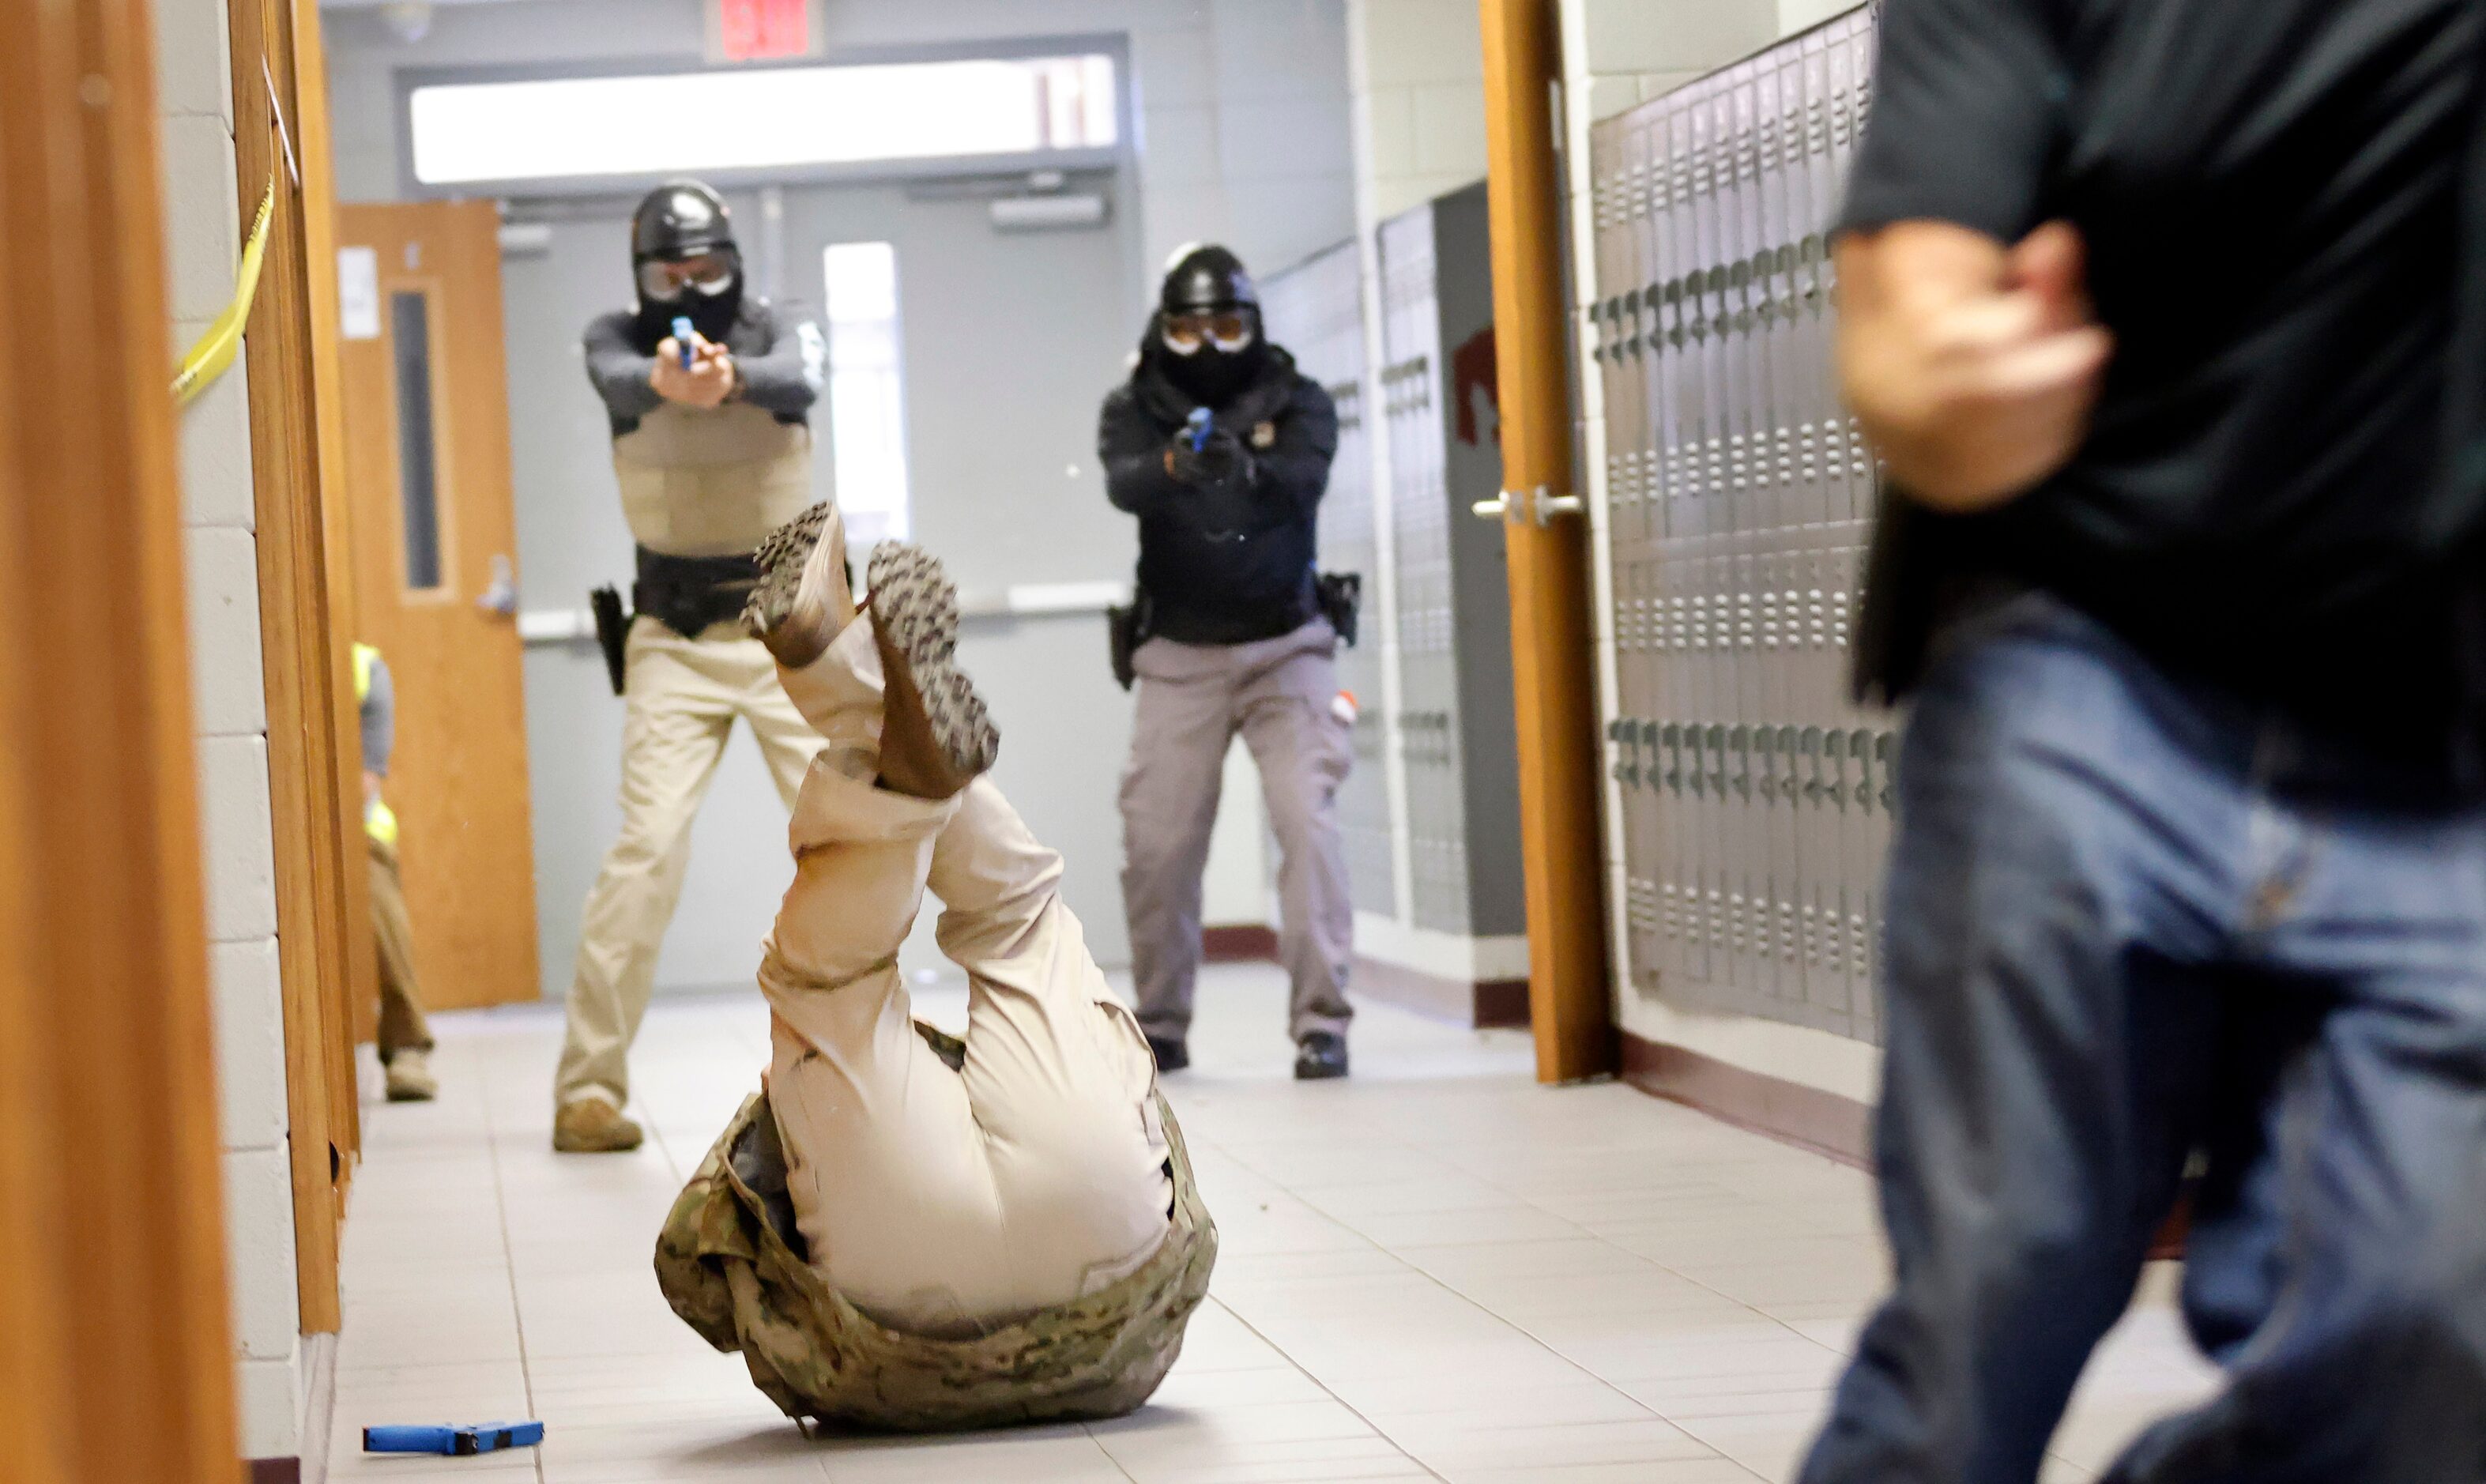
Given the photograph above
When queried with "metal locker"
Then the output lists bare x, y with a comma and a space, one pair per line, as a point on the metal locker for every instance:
1753, 798
1454, 640
1315, 311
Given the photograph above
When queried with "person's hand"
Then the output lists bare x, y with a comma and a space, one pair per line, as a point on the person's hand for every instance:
1973, 367
706, 382
1222, 458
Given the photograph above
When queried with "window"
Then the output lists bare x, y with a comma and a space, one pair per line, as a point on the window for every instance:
678, 122
418, 494
867, 391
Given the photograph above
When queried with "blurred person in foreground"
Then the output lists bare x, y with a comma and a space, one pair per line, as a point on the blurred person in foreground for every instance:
2166, 318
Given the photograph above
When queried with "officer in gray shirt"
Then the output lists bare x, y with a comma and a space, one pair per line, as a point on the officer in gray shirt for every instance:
710, 392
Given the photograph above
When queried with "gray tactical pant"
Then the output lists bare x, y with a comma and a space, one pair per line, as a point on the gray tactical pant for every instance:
1193, 700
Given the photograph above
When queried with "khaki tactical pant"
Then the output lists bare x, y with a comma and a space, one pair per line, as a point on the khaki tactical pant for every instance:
1193, 700
684, 694
403, 1026
942, 1202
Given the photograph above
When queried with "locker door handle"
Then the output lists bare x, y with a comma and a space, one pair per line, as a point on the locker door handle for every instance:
1624, 734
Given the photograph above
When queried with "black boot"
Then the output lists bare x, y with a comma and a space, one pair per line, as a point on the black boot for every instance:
1172, 1054
1321, 1056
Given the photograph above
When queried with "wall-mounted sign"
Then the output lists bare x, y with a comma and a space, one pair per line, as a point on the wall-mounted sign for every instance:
764, 30
358, 292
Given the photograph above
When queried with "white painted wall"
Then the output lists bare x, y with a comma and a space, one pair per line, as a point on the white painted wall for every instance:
1242, 137
1618, 53
1796, 16
203, 232
1242, 103
1418, 79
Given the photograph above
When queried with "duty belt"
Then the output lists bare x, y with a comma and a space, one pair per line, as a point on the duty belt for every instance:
687, 595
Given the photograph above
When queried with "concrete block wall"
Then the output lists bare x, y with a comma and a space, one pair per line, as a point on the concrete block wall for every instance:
1416, 73
203, 242
1627, 53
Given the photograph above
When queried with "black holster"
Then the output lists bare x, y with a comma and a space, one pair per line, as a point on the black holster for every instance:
688, 594
1126, 628
611, 635
1340, 596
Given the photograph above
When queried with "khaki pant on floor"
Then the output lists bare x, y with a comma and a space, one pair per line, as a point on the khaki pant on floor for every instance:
403, 1026
1193, 700
684, 694
943, 1201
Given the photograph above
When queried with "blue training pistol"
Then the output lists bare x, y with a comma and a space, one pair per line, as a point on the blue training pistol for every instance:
452, 1442
1197, 425
684, 336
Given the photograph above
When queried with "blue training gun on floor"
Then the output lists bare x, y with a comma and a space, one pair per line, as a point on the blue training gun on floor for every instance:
452, 1442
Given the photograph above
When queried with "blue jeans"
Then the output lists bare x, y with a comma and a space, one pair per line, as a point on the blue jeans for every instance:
2130, 920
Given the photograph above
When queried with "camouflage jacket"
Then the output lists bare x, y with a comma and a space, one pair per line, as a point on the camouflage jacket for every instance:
728, 1263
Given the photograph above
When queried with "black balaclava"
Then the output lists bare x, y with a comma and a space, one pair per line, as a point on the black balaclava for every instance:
1209, 280
676, 220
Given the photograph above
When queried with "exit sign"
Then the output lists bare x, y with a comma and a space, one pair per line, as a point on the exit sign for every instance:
762, 29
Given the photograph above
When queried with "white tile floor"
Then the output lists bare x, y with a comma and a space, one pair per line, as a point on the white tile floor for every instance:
1435, 1270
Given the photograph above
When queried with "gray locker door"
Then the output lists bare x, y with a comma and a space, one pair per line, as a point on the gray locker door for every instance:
1755, 800
1316, 311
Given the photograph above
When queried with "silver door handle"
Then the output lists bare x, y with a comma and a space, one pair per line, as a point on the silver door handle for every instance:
501, 596
1539, 505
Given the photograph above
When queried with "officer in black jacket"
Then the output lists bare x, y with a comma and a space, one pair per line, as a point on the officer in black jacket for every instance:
1222, 448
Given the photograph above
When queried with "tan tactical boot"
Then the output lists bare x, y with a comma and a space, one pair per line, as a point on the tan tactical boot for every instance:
935, 736
410, 1079
801, 600
591, 1125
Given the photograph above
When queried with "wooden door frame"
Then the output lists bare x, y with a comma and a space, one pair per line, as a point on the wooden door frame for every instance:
1554, 669
326, 955
116, 1355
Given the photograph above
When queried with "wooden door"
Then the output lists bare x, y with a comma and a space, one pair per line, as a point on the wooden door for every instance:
1552, 640
116, 1363
435, 559
305, 597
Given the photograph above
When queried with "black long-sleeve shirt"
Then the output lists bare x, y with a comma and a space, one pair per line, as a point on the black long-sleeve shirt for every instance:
781, 357
1229, 561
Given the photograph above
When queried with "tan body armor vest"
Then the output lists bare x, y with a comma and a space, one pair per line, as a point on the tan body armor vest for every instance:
711, 483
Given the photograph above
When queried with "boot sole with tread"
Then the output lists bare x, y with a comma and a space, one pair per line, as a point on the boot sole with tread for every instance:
782, 559
915, 619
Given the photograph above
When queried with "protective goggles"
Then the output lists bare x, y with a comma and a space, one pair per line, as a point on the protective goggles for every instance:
663, 280
1228, 329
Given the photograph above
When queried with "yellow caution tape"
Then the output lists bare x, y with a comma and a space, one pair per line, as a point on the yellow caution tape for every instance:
215, 350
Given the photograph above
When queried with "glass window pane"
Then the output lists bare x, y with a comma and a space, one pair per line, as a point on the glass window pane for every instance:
867, 390
768, 117
418, 494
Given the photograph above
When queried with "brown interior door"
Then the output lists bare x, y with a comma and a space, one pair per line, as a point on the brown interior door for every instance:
436, 559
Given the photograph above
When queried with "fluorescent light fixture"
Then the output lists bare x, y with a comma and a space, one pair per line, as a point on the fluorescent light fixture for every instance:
759, 119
